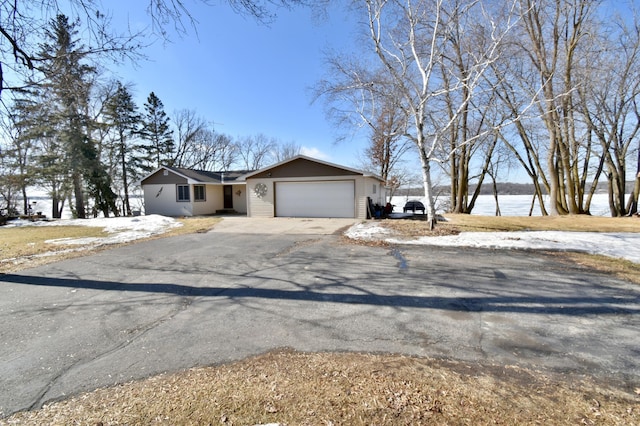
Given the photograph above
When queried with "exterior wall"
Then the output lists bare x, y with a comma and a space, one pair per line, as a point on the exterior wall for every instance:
378, 196
303, 168
260, 207
213, 202
361, 199
240, 195
161, 199
160, 177
265, 206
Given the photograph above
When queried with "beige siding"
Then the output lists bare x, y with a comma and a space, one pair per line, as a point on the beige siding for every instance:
361, 206
366, 186
377, 195
164, 176
239, 198
303, 168
161, 199
265, 206
260, 206
212, 203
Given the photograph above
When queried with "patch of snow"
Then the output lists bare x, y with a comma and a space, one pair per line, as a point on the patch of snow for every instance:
619, 245
365, 231
122, 229
623, 245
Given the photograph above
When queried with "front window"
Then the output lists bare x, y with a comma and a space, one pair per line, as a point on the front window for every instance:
182, 192
199, 193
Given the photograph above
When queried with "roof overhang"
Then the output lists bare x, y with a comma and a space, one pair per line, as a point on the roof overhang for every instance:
304, 157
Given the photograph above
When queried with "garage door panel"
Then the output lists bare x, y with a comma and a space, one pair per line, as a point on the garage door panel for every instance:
315, 199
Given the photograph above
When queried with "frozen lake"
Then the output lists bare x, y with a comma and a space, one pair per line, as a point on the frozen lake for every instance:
512, 205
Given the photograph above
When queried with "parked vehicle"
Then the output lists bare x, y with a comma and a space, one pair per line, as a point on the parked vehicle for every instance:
412, 206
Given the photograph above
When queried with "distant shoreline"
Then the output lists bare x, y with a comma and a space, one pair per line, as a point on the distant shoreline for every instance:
510, 205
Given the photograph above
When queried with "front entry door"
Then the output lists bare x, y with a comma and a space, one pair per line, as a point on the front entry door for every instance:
228, 196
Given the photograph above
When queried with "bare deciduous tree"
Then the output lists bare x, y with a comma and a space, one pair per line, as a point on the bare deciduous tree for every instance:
198, 146
284, 151
609, 93
555, 37
256, 151
387, 144
411, 40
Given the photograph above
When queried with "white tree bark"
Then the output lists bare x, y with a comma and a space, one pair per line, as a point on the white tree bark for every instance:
410, 38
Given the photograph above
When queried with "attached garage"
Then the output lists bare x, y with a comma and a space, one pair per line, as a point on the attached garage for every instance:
306, 187
315, 199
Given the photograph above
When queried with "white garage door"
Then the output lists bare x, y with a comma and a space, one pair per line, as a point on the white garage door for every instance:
315, 199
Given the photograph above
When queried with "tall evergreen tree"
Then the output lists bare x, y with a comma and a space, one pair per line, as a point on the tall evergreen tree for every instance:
68, 84
121, 112
50, 170
155, 130
23, 130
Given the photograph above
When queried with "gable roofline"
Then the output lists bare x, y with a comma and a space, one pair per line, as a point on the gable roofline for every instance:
315, 160
194, 177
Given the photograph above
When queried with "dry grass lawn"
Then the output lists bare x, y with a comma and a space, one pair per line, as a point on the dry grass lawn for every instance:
292, 388
457, 223
465, 222
26, 246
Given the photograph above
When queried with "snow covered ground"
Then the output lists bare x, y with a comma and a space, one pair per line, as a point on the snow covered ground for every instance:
618, 245
121, 229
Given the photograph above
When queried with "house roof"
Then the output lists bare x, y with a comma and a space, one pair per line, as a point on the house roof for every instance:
314, 160
202, 176
191, 176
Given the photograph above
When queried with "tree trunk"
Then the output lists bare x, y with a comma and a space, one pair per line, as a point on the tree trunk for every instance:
633, 200
55, 208
553, 177
125, 180
79, 196
428, 189
495, 197
539, 195
25, 201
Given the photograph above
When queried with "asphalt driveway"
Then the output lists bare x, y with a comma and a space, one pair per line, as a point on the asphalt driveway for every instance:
202, 299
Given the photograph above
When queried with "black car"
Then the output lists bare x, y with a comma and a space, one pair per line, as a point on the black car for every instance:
413, 206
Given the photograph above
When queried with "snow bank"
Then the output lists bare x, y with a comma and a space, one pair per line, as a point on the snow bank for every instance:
122, 229
619, 245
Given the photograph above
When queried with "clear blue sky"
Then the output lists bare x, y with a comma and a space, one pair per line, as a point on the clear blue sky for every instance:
247, 77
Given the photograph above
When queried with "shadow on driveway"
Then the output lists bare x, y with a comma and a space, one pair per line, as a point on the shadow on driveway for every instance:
571, 305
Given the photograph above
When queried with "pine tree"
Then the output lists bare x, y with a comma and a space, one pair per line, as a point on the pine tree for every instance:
155, 130
121, 112
23, 131
68, 85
